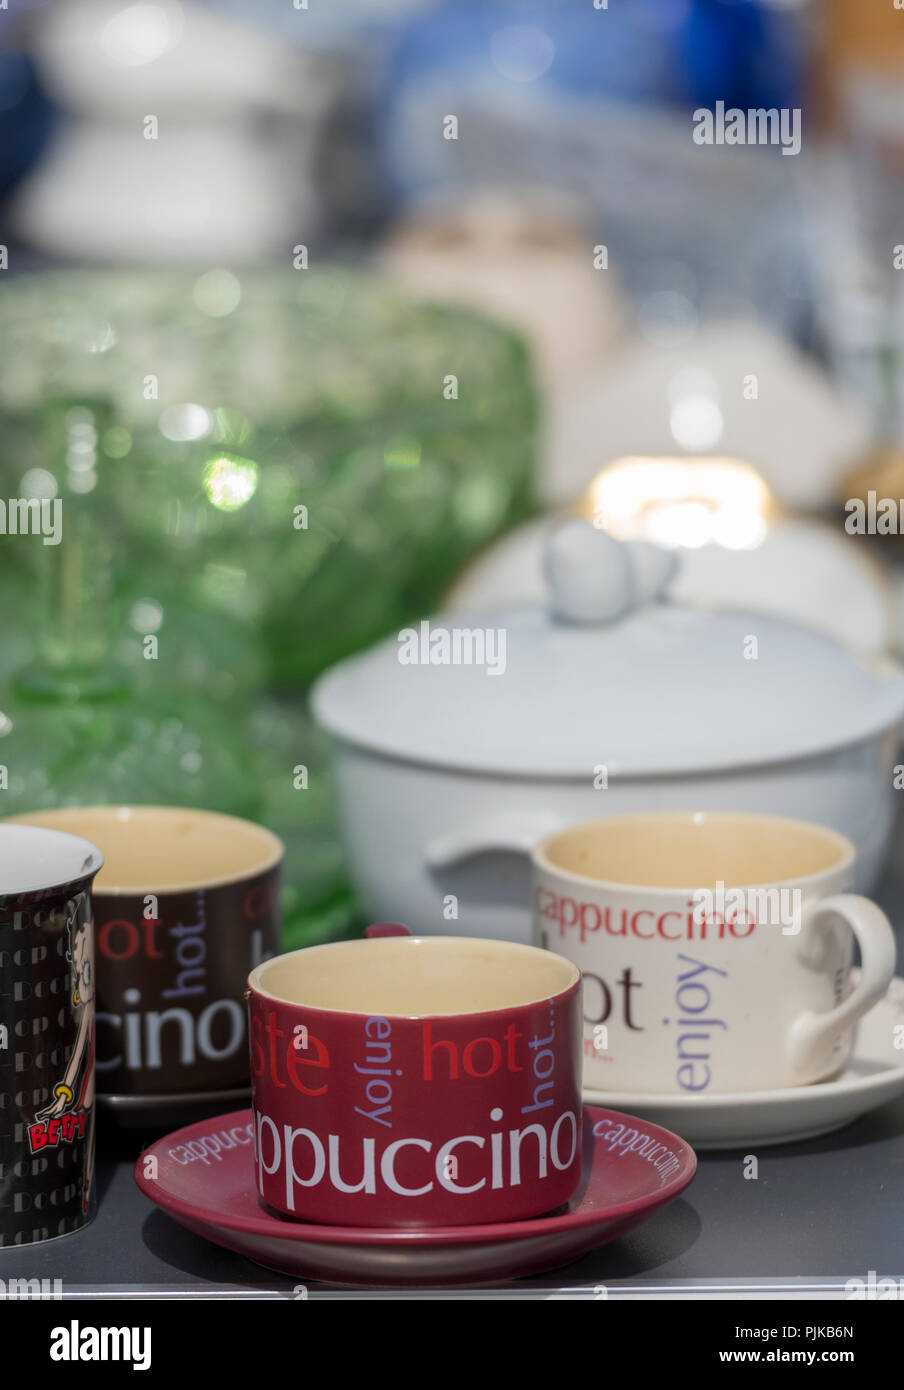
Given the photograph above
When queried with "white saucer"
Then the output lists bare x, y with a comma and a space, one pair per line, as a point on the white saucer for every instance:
874, 1075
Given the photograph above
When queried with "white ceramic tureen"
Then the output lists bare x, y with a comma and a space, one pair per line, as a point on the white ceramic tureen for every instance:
463, 741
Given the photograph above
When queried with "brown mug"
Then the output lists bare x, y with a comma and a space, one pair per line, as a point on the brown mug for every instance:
186, 905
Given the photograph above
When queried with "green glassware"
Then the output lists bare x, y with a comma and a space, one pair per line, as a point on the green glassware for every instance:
78, 726
313, 454
291, 760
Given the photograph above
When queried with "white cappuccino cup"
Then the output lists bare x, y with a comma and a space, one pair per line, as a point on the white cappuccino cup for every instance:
716, 948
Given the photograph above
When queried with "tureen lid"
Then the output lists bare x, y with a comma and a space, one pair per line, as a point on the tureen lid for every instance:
606, 676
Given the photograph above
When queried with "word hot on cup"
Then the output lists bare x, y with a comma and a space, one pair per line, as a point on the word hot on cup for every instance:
186, 904
716, 948
47, 1034
412, 1082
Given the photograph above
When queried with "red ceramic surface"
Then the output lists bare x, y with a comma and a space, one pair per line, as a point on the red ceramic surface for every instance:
443, 1120
205, 1181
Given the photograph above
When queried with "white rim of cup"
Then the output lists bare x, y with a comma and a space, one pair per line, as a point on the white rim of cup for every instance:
34, 859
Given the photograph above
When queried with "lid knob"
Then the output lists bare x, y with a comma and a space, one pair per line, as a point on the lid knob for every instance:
594, 578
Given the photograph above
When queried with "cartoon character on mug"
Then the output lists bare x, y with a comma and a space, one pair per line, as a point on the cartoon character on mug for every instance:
70, 1115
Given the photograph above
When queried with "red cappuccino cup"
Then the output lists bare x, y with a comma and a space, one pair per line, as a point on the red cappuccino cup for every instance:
416, 1082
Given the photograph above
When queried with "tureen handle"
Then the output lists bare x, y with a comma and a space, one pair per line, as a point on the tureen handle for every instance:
515, 833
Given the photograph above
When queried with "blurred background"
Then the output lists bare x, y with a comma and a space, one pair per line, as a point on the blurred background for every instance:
314, 314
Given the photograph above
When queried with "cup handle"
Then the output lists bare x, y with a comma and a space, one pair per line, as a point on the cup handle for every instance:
876, 939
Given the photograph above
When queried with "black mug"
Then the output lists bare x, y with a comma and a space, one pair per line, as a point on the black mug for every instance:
47, 1033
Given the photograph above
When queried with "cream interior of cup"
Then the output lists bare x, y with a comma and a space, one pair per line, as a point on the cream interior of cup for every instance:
409, 976
686, 850
165, 849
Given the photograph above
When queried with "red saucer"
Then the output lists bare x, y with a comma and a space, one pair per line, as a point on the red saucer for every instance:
213, 1194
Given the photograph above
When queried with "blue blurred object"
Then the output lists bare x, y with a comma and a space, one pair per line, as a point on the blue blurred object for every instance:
741, 52
564, 55
26, 117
